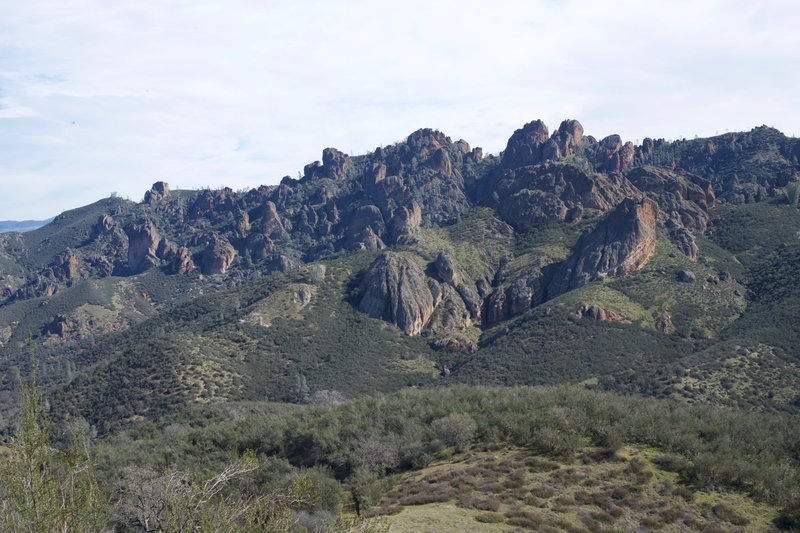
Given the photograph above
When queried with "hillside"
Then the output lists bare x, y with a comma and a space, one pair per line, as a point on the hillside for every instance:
564, 259
573, 335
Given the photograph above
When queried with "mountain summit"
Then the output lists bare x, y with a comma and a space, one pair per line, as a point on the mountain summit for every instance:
420, 262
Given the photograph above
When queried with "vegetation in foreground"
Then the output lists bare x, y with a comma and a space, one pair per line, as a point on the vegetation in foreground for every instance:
550, 457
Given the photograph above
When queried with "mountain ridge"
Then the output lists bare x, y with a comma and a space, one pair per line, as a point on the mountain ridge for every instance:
459, 259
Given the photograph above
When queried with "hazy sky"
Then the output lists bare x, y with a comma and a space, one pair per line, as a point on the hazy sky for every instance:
99, 97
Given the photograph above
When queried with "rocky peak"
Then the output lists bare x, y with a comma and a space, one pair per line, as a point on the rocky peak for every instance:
614, 156
425, 142
159, 191
620, 244
335, 165
405, 221
568, 138
524, 147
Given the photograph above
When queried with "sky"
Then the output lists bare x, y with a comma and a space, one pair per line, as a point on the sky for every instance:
101, 97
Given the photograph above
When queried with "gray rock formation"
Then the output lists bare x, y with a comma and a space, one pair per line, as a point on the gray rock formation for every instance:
395, 289
553, 192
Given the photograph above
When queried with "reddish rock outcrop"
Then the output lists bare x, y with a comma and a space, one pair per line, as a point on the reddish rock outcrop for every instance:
612, 155
158, 192
683, 200
620, 244
520, 296
405, 221
682, 197
218, 256
60, 326
143, 241
183, 263
272, 226
65, 266
598, 313
525, 146
335, 165
567, 138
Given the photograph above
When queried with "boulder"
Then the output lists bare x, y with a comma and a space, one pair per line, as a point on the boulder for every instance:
686, 276
596, 312
446, 269
664, 323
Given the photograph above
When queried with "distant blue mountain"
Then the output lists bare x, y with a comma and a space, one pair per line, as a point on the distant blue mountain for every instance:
21, 225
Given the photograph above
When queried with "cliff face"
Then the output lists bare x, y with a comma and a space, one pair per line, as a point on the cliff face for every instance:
395, 289
393, 197
683, 200
621, 244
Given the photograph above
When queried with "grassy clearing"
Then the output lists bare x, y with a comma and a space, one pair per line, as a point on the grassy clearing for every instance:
594, 490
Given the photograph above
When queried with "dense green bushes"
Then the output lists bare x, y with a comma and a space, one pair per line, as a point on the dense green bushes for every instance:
751, 452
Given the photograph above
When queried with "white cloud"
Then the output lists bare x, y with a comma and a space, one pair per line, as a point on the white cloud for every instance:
98, 97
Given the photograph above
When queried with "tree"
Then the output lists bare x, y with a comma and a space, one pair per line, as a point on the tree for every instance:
300, 389
43, 488
455, 430
793, 192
